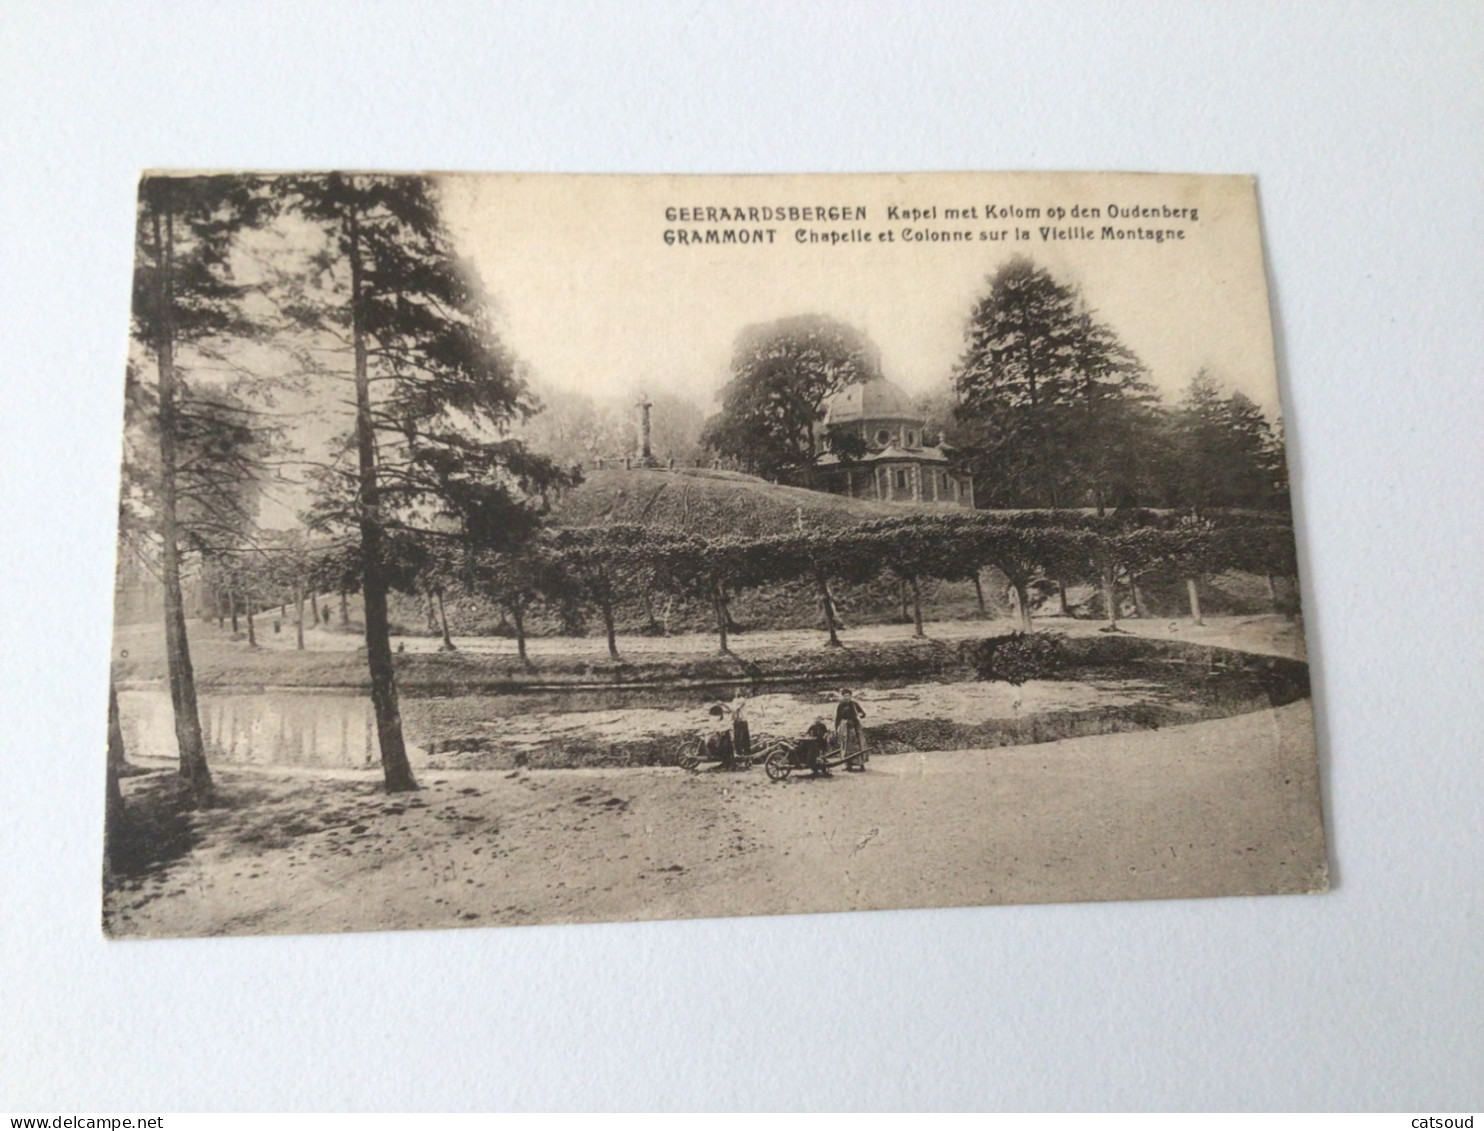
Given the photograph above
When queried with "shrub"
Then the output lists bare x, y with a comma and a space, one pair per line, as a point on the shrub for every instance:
1019, 656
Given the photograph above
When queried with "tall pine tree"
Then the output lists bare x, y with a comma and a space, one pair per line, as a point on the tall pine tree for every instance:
1117, 427
1053, 409
1225, 449
1014, 384
435, 395
185, 298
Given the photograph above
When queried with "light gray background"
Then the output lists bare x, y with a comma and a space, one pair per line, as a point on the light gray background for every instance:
1363, 123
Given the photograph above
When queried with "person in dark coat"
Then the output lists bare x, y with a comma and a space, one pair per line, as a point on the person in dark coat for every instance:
719, 741
848, 715
814, 745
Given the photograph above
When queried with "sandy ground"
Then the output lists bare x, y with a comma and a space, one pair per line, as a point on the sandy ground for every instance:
1225, 807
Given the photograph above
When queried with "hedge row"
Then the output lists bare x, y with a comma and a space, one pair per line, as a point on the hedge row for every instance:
596, 566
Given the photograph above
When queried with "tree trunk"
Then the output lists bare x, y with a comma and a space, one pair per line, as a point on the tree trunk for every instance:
518, 615
916, 608
1061, 599
1141, 610
979, 594
605, 607
396, 769
1192, 590
1272, 591
1023, 604
114, 811
718, 602
1110, 597
344, 610
902, 596
194, 776
299, 621
232, 607
252, 635
606, 604
432, 614
448, 645
829, 611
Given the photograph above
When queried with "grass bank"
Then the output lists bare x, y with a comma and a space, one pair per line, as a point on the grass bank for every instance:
227, 666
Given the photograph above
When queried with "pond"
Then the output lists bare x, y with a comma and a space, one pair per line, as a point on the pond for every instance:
336, 730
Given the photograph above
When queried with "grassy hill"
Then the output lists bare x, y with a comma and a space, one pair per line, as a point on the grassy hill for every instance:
701, 501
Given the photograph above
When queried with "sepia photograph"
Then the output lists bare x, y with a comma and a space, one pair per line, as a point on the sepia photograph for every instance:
530, 549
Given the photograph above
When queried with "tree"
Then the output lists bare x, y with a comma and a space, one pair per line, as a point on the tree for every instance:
1023, 551
1053, 409
711, 570
573, 428
1014, 383
691, 567
1190, 550
516, 579
849, 555
436, 396
336, 569
1111, 545
289, 567
1225, 450
783, 372
185, 296
1117, 437
917, 548
598, 564
1263, 548
117, 764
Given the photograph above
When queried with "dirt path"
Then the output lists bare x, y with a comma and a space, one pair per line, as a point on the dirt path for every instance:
1259, 633
1228, 806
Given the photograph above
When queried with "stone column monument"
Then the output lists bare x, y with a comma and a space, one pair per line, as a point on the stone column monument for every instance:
646, 452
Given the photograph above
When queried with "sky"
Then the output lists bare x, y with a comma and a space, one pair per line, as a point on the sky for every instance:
590, 294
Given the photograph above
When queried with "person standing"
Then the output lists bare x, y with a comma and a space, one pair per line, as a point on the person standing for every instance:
848, 715
741, 735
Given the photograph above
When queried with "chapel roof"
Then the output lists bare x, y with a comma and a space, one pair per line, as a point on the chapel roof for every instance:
876, 399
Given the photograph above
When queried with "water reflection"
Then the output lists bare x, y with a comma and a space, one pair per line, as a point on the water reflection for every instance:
337, 730
311, 729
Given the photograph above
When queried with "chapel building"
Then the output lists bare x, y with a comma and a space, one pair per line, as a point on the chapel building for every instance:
898, 464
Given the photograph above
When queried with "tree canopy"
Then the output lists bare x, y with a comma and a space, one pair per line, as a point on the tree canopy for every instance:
782, 373
1225, 450
1053, 409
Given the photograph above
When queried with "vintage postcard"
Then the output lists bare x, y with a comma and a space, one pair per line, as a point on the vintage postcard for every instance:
527, 549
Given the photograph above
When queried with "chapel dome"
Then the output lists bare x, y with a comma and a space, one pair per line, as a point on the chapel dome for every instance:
876, 399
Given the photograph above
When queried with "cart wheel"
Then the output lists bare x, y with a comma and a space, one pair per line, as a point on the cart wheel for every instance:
688, 757
777, 766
